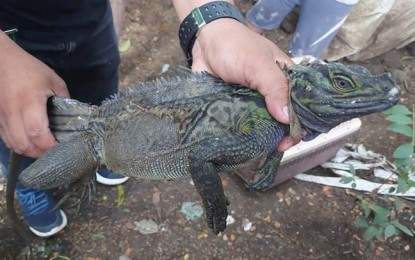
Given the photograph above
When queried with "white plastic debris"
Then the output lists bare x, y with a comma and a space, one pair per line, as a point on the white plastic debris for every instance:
165, 68
384, 174
230, 220
124, 257
247, 225
361, 159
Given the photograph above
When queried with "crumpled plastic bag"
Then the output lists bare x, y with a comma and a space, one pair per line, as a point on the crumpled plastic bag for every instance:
366, 160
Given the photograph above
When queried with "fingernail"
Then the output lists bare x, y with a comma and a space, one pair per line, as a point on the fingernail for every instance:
285, 111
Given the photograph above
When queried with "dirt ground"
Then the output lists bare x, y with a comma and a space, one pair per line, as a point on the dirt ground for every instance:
295, 220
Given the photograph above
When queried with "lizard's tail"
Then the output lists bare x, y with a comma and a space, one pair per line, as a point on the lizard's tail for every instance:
13, 175
68, 116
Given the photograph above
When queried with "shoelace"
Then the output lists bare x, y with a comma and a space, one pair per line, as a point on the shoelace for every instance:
32, 201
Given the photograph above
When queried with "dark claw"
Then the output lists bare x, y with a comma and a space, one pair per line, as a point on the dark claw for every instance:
216, 214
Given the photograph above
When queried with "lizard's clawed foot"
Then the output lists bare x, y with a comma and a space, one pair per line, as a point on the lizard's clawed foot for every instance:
82, 189
216, 213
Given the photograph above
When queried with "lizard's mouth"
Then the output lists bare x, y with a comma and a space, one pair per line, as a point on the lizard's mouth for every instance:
361, 106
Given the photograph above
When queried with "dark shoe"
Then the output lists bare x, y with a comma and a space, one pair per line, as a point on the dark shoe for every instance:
37, 207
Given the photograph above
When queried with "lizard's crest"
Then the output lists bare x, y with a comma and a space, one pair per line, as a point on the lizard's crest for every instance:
325, 95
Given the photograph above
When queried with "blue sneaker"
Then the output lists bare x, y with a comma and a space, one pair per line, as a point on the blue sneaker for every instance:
108, 178
37, 207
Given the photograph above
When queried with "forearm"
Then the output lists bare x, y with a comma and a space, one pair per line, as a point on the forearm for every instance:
183, 8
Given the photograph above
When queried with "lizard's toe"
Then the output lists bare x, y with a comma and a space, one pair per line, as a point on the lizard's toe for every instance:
216, 214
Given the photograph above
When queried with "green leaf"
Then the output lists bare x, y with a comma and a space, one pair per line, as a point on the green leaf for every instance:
402, 228
400, 129
121, 195
379, 233
98, 235
402, 185
402, 163
398, 109
400, 119
352, 170
391, 190
370, 233
346, 179
381, 219
380, 210
124, 46
362, 223
411, 183
390, 230
404, 151
398, 204
408, 58
366, 209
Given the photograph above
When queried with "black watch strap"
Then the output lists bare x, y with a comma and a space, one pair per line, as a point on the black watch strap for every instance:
203, 15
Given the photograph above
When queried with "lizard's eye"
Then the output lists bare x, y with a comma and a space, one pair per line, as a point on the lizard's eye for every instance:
343, 84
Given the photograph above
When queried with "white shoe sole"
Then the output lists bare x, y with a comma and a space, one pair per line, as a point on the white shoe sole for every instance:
54, 230
111, 182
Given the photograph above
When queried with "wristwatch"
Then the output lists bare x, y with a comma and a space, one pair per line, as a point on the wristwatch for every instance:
203, 15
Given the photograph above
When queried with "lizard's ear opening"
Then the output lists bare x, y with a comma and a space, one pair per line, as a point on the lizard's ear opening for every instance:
310, 135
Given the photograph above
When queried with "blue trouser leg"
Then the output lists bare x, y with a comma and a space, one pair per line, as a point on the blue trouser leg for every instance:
318, 24
268, 14
4, 159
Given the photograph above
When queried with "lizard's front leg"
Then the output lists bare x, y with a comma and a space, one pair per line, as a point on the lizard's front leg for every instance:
209, 186
230, 150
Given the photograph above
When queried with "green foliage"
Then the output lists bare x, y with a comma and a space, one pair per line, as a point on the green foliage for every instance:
400, 129
120, 195
402, 122
379, 222
98, 235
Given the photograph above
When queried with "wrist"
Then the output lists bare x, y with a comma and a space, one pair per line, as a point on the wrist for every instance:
208, 35
199, 18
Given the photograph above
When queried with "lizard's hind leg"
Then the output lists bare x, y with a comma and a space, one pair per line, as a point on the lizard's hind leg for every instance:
62, 164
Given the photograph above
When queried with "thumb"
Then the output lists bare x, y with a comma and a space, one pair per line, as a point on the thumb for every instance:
274, 87
278, 108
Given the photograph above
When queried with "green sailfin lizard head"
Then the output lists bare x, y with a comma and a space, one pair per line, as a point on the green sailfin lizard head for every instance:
325, 95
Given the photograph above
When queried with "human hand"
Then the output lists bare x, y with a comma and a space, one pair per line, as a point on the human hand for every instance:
229, 50
25, 85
